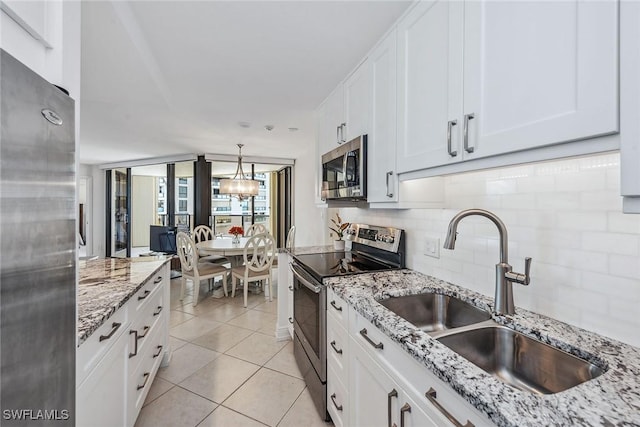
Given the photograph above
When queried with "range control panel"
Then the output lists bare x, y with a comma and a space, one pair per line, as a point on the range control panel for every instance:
386, 238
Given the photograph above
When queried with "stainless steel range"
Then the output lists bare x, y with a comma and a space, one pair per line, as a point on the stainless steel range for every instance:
373, 249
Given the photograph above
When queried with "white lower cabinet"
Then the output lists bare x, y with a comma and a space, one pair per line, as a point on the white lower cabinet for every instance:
116, 365
284, 325
388, 387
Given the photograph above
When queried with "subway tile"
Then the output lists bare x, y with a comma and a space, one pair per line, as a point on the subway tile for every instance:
536, 184
614, 286
619, 222
584, 300
625, 266
501, 186
617, 243
586, 221
605, 200
558, 201
583, 180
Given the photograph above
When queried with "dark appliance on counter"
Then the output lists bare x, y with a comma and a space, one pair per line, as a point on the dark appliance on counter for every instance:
373, 249
344, 172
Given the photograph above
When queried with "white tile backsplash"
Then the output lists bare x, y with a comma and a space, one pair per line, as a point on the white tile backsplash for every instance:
565, 214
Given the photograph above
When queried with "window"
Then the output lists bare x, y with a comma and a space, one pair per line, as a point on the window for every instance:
182, 181
182, 205
182, 191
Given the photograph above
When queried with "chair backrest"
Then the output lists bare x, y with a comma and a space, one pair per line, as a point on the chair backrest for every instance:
202, 233
259, 252
186, 251
291, 237
256, 229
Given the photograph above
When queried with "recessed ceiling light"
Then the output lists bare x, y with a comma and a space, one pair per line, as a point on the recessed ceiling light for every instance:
269, 127
244, 124
293, 129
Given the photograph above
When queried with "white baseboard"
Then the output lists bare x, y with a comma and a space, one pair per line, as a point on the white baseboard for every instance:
282, 333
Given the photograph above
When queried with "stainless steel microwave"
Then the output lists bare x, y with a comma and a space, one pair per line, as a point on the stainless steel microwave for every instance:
344, 171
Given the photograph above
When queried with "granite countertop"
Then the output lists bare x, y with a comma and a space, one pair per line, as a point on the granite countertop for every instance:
106, 284
610, 399
310, 250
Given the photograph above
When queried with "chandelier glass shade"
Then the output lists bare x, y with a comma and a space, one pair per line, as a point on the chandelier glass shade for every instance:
239, 186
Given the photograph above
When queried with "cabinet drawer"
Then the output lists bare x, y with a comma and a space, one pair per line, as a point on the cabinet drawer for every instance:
89, 354
142, 297
141, 379
337, 346
144, 326
337, 308
337, 399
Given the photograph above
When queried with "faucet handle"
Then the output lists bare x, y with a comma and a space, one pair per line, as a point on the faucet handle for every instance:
523, 279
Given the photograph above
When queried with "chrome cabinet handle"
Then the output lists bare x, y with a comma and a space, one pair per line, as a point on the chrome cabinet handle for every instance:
338, 134
333, 399
392, 393
291, 288
405, 408
114, 327
333, 344
450, 124
467, 117
342, 126
145, 331
155, 313
333, 304
143, 296
159, 351
291, 320
388, 175
158, 280
432, 395
135, 343
379, 345
146, 378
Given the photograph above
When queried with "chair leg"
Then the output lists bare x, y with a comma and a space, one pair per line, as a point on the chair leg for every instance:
183, 286
196, 290
224, 284
233, 286
270, 289
246, 290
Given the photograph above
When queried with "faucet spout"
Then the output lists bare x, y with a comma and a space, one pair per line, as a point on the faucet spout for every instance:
504, 275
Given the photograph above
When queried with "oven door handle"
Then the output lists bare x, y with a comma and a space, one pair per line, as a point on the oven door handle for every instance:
316, 289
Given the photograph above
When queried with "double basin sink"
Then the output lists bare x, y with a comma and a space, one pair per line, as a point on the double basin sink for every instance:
515, 359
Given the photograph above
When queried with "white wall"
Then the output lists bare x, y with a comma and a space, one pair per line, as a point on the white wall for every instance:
564, 214
143, 209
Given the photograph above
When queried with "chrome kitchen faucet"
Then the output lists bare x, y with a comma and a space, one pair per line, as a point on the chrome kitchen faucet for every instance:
504, 274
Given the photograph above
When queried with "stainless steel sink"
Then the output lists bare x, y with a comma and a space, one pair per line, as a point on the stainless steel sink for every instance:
520, 361
434, 312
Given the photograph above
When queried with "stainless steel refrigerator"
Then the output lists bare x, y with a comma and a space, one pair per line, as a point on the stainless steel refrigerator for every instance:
37, 249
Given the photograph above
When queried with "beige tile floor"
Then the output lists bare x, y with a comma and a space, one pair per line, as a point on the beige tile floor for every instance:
227, 368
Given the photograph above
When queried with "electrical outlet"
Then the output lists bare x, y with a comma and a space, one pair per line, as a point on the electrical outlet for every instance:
432, 247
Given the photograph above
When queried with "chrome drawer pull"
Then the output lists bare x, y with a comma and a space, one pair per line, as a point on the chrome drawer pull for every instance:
291, 288
114, 327
405, 408
145, 331
450, 124
158, 353
158, 280
146, 378
389, 194
333, 399
143, 296
135, 343
432, 395
333, 344
379, 345
392, 393
333, 303
155, 313
467, 117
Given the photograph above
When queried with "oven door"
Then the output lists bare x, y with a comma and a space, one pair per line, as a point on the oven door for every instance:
309, 318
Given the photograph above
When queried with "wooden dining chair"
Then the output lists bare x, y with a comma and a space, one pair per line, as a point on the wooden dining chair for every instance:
256, 229
195, 270
202, 233
258, 255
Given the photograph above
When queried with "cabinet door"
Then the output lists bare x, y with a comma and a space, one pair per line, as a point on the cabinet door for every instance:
382, 174
539, 73
330, 118
101, 400
429, 84
356, 103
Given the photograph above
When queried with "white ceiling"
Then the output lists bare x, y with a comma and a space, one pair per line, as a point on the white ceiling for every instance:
162, 78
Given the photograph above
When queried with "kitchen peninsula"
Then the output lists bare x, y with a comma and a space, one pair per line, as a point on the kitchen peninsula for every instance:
123, 324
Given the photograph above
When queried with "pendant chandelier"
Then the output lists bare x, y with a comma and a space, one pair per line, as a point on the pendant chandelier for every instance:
239, 186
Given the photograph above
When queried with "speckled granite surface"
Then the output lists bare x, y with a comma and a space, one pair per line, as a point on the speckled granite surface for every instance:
106, 284
612, 399
310, 250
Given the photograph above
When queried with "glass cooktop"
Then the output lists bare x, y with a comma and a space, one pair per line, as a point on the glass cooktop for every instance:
338, 264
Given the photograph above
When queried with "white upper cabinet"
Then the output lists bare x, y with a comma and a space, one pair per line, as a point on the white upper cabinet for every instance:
356, 104
330, 121
539, 73
382, 175
483, 78
429, 84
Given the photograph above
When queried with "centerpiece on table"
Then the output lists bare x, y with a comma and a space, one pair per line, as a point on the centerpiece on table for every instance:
236, 232
339, 228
